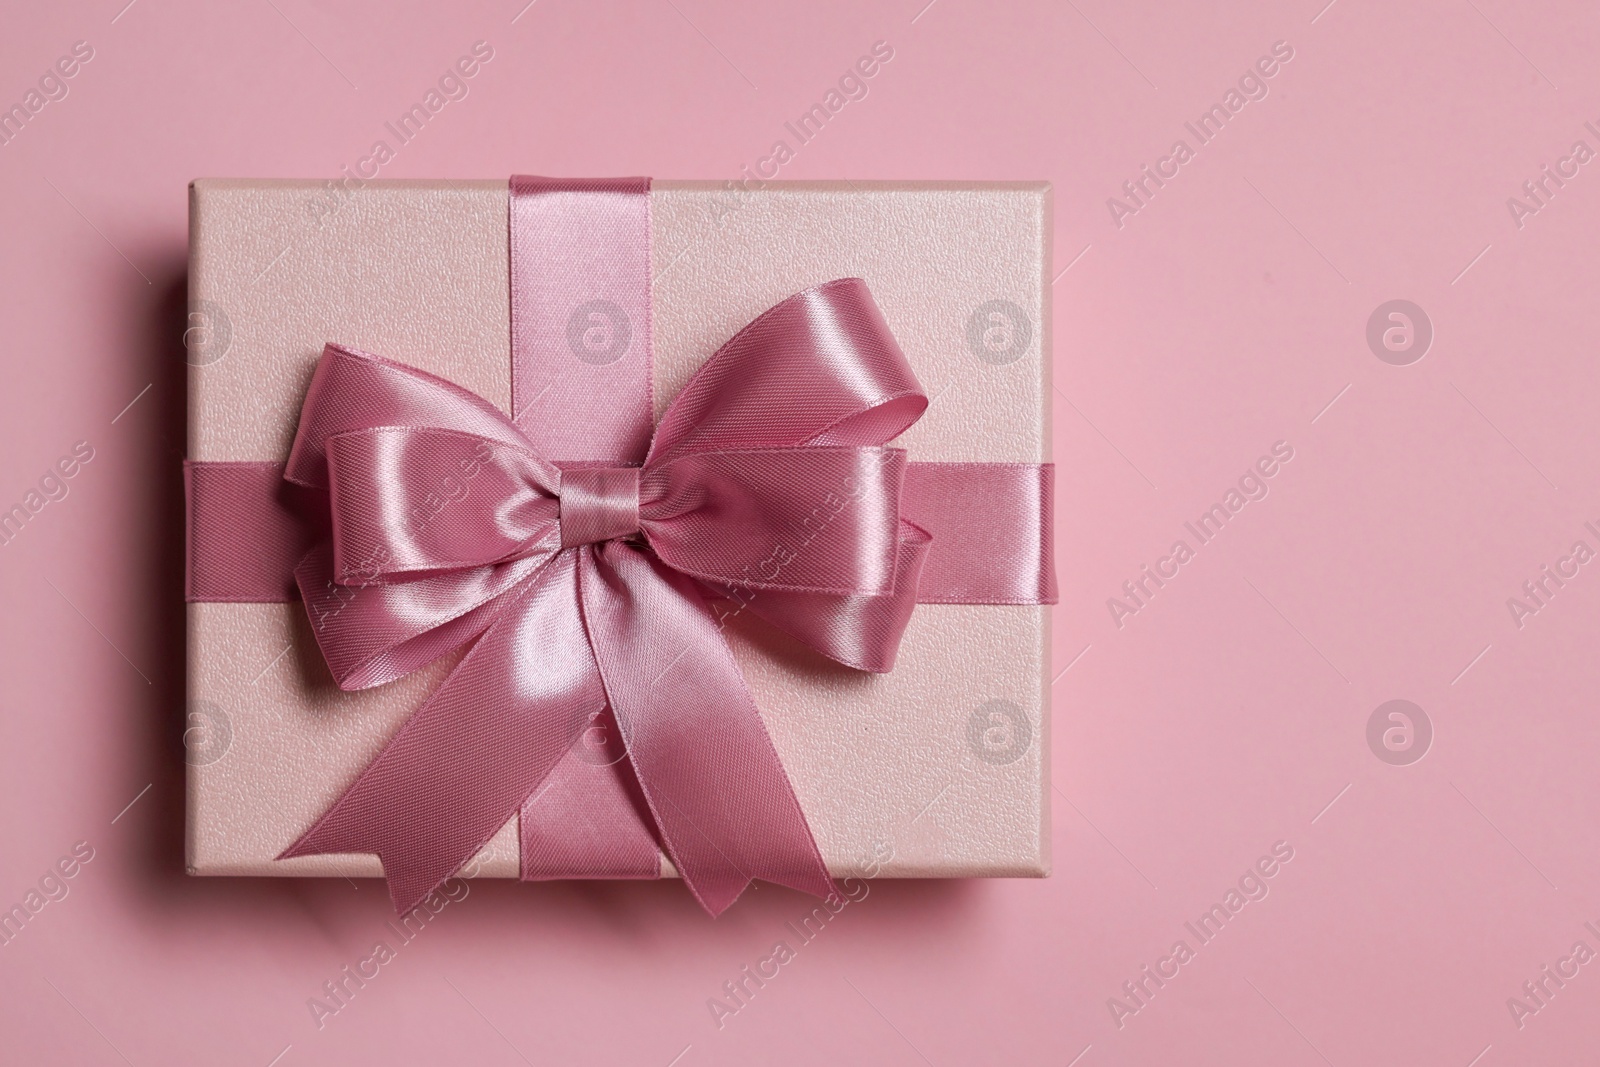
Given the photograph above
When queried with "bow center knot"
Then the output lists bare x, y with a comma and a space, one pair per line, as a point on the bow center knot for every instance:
598, 504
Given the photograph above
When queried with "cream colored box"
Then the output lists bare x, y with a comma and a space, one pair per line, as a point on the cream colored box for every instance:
943, 763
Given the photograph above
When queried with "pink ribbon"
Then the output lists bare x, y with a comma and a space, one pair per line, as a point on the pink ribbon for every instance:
590, 592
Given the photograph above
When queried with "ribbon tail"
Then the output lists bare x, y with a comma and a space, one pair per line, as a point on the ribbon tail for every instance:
724, 806
590, 819
461, 767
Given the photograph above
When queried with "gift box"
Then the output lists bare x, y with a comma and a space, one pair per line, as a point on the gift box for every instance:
936, 768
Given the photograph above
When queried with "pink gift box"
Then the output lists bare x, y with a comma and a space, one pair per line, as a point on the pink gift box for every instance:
936, 769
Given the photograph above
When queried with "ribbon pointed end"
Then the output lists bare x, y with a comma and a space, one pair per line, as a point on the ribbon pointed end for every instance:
408, 889
408, 893
717, 899
720, 895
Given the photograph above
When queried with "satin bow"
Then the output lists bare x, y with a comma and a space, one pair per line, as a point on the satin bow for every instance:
767, 488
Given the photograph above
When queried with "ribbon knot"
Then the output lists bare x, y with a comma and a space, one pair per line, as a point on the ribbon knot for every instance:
598, 504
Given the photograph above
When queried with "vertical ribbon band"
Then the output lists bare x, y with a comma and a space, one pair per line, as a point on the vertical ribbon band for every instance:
581, 381
580, 317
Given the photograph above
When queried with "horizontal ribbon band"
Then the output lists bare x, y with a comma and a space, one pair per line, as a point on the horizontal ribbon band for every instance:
248, 529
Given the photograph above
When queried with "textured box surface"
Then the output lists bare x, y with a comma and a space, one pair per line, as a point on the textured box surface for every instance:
943, 759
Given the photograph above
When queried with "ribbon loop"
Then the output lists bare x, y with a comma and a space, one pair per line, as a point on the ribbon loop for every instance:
830, 346
355, 390
810, 519
372, 634
407, 501
858, 631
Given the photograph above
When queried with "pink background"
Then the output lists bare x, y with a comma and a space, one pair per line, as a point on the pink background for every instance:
1229, 714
